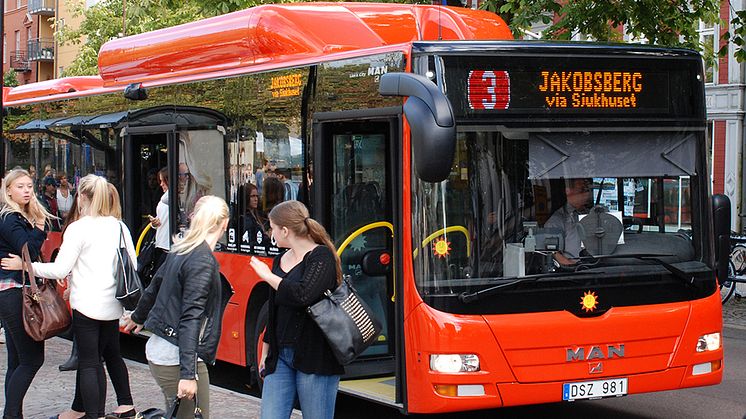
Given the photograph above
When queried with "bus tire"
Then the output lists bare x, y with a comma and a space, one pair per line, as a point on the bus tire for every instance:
259, 327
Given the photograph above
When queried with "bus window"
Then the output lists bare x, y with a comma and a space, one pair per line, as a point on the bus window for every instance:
199, 176
505, 187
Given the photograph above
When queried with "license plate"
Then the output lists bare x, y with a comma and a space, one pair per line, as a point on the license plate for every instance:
594, 389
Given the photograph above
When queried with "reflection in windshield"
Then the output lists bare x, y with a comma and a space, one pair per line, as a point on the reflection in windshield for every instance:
511, 209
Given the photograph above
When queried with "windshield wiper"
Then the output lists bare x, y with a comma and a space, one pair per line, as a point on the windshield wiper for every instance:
687, 276
468, 297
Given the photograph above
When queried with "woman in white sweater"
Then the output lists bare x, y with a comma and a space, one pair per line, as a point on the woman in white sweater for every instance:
89, 253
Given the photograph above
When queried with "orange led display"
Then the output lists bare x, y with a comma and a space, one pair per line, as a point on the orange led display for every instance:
591, 89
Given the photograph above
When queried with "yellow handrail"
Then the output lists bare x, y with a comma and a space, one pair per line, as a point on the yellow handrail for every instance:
445, 230
142, 237
362, 230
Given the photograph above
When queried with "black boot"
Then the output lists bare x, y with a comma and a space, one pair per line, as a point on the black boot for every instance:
72, 363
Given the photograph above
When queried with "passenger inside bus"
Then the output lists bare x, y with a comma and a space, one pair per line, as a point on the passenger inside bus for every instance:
567, 219
273, 191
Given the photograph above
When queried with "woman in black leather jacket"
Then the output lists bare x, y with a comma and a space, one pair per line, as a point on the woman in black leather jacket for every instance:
183, 308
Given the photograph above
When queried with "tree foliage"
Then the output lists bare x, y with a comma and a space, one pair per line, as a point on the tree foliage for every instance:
10, 78
103, 22
672, 23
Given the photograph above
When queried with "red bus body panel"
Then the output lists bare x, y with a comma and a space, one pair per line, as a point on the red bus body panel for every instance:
524, 356
281, 34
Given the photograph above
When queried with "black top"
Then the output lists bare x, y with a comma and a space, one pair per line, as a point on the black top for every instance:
289, 318
303, 286
15, 231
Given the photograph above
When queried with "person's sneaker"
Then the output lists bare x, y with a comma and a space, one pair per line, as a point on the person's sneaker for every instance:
2, 335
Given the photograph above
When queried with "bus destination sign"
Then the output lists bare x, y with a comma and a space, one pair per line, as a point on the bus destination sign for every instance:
496, 89
591, 89
518, 86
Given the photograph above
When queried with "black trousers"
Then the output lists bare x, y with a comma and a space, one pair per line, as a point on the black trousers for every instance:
95, 338
25, 355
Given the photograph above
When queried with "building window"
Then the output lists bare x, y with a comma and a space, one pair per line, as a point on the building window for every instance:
18, 40
5, 48
18, 4
709, 43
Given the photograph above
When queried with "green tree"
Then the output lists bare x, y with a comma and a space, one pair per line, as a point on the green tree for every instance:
103, 22
10, 79
671, 23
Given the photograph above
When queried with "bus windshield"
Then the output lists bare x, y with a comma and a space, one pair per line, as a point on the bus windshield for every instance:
557, 206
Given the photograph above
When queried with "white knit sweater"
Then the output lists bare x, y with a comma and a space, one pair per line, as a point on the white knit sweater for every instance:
89, 251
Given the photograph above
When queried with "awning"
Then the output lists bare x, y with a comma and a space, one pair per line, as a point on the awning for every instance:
37, 125
106, 120
73, 120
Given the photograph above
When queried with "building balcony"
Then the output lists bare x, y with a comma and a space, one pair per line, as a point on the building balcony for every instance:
19, 61
41, 49
41, 7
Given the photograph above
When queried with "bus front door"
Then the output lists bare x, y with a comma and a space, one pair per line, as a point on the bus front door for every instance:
354, 201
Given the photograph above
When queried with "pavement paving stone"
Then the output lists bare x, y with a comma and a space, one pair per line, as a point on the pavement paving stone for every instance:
51, 392
734, 310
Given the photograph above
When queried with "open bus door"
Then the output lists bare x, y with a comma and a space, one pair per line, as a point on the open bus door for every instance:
355, 162
145, 153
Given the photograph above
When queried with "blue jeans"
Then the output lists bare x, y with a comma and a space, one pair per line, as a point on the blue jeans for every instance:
316, 393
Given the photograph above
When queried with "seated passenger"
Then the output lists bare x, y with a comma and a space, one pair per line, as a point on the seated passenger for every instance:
567, 219
273, 193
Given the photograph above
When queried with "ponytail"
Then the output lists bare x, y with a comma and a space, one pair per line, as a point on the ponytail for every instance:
318, 234
294, 216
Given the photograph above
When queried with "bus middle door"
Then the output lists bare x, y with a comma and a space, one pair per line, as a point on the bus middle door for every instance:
354, 201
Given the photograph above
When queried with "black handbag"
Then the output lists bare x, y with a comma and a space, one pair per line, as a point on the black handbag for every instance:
173, 410
346, 321
129, 286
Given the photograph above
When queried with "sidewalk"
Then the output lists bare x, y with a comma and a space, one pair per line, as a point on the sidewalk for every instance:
734, 310
51, 391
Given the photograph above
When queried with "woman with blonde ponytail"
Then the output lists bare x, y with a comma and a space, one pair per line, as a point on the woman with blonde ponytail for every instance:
183, 308
22, 221
89, 253
297, 362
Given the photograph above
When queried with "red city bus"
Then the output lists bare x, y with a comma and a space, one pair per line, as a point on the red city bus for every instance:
434, 149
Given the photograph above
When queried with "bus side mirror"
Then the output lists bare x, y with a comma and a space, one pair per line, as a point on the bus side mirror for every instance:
431, 122
721, 230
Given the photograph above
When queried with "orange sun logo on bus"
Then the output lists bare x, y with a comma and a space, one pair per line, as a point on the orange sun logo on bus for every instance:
442, 248
589, 301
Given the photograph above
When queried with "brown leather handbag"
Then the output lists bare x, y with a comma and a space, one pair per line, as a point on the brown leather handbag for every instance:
45, 313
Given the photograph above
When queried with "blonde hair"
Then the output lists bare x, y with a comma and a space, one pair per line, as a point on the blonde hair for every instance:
34, 210
209, 212
116, 206
294, 215
96, 189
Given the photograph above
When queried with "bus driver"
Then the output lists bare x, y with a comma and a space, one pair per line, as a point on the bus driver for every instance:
567, 219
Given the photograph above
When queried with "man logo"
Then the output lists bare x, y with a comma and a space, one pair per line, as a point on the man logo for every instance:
595, 367
594, 352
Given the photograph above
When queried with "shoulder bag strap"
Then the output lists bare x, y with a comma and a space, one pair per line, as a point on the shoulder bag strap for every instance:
28, 268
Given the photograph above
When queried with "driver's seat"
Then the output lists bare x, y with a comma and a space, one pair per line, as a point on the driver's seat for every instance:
600, 231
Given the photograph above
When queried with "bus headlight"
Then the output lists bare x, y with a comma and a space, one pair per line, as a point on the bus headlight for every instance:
708, 342
453, 363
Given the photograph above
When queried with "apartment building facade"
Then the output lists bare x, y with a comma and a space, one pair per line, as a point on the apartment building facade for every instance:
28, 39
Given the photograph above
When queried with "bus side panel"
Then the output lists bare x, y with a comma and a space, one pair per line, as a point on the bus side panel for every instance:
431, 332
235, 268
706, 317
51, 246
